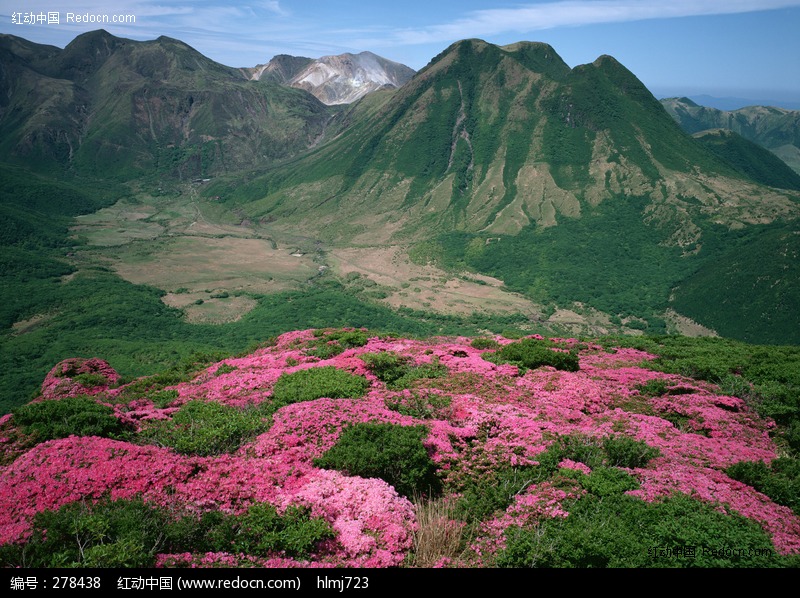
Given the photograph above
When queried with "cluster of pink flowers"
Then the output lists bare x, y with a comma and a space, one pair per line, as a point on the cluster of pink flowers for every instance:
60, 381
496, 416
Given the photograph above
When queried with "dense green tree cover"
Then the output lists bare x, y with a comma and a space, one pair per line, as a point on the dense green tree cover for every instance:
747, 284
751, 159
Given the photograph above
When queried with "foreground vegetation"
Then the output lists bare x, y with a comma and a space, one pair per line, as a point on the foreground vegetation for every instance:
385, 451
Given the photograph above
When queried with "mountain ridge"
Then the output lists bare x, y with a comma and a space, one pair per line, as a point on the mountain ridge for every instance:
777, 129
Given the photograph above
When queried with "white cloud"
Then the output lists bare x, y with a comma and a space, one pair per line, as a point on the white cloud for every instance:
548, 15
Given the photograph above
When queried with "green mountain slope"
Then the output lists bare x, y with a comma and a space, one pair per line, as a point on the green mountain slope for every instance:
776, 129
570, 185
749, 158
111, 107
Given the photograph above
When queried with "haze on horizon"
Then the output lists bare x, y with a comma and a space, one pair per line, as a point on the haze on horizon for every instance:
735, 48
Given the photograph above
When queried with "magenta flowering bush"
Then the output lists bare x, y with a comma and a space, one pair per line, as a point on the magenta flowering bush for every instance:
484, 422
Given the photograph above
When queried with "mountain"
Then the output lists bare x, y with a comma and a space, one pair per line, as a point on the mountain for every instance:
343, 448
492, 140
734, 103
340, 79
776, 129
749, 158
111, 107
506, 162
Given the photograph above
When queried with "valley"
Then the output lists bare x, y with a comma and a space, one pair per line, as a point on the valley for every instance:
213, 270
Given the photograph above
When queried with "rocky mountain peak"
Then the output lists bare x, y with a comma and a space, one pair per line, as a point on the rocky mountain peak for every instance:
335, 79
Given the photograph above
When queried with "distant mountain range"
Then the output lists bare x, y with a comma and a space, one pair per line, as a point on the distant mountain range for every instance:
734, 103
776, 129
505, 161
115, 107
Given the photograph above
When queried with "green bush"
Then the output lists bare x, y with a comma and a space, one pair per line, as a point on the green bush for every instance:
261, 531
123, 533
330, 344
207, 428
90, 380
492, 491
164, 398
485, 496
422, 405
653, 388
484, 343
130, 533
400, 371
316, 383
390, 452
528, 353
608, 481
610, 451
79, 416
225, 369
780, 480
623, 451
624, 531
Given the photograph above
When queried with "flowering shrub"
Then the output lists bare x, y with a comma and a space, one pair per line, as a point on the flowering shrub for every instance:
285, 457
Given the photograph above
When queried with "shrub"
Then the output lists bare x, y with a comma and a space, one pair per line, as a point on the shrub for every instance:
90, 380
201, 428
261, 531
79, 416
422, 405
608, 481
482, 497
623, 451
400, 371
130, 533
164, 398
330, 344
316, 383
528, 353
780, 480
624, 531
390, 452
123, 533
225, 369
610, 451
653, 388
484, 343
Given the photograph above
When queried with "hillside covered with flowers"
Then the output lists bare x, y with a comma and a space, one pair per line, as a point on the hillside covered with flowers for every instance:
340, 448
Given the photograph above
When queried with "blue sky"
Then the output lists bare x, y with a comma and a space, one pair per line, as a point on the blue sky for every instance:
745, 48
